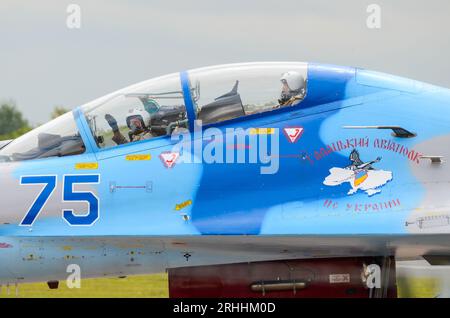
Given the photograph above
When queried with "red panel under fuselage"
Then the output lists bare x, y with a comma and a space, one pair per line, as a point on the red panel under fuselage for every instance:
336, 278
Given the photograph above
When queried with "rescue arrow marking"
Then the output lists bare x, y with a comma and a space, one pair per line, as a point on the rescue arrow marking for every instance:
293, 133
169, 158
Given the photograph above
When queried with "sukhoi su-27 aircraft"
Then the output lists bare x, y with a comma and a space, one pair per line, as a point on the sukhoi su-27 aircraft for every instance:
267, 179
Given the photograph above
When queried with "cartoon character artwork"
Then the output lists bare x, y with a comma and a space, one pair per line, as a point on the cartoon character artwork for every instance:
361, 175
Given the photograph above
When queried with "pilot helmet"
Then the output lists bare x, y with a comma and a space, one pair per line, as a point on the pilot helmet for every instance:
137, 119
294, 81
293, 85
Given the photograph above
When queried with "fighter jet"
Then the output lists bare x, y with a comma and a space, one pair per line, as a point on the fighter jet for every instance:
235, 180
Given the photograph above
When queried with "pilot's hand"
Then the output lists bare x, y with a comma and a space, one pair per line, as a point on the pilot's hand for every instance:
112, 122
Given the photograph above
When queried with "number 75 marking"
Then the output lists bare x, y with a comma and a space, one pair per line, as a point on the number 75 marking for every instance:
69, 195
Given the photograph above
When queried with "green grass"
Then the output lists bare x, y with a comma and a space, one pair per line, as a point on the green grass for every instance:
418, 287
142, 286
156, 285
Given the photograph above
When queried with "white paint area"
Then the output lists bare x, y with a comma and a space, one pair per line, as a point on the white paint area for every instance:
375, 179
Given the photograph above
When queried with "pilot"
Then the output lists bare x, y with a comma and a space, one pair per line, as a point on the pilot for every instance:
293, 89
135, 122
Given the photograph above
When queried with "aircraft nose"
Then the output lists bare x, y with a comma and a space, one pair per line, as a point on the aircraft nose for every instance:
10, 204
8, 253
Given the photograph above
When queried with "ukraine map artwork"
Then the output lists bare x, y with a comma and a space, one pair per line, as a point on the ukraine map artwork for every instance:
361, 176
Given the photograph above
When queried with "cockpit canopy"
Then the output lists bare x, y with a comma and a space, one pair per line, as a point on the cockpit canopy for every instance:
57, 138
232, 91
162, 105
151, 109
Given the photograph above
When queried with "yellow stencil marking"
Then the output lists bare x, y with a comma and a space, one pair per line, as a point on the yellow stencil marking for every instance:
180, 206
138, 157
86, 166
262, 131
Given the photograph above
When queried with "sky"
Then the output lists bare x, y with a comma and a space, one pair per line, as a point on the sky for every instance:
43, 63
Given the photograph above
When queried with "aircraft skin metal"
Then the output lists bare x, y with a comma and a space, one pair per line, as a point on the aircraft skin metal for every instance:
153, 217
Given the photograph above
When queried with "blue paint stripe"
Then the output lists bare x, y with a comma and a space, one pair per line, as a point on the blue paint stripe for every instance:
184, 78
85, 131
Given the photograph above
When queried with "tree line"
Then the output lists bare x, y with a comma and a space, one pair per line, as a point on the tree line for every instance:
12, 122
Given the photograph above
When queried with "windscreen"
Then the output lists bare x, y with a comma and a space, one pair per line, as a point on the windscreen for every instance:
57, 138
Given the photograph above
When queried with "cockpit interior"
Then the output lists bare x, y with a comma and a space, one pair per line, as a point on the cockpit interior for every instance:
163, 105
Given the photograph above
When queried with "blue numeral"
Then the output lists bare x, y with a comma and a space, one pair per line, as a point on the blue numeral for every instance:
39, 203
70, 195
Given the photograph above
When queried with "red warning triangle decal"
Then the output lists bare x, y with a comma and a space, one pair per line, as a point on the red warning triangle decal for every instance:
293, 133
169, 158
